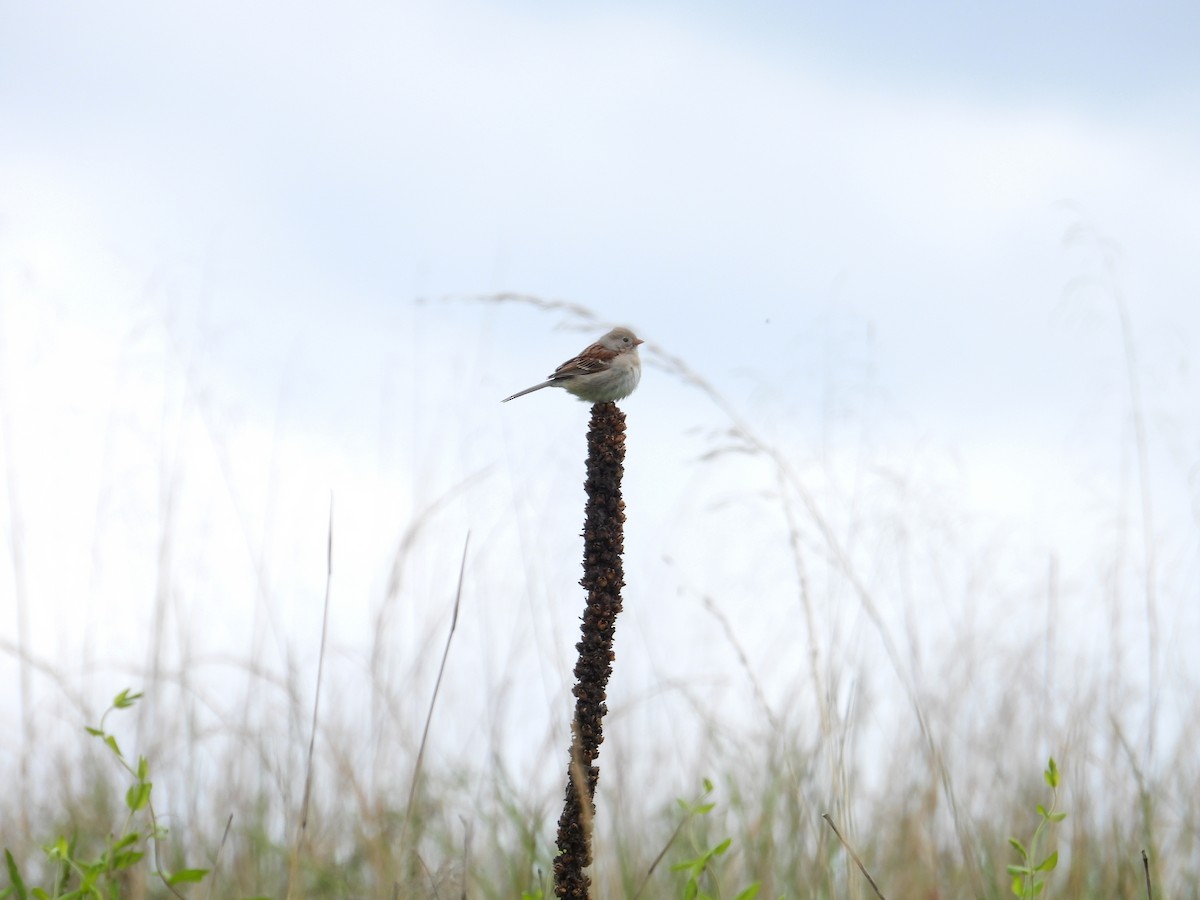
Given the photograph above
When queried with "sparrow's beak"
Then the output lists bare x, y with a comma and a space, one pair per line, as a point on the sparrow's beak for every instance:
637, 341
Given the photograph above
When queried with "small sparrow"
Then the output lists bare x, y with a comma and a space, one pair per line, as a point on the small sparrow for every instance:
606, 371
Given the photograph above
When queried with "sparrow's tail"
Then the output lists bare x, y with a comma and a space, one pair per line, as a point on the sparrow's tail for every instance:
536, 387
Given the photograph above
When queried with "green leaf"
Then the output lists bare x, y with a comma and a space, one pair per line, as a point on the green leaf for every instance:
749, 893
112, 743
143, 768
132, 838
1058, 817
708, 786
1048, 864
187, 876
1041, 811
1018, 846
1051, 774
1019, 871
93, 731
138, 795
125, 699
721, 847
127, 859
1038, 887
14, 876
1018, 886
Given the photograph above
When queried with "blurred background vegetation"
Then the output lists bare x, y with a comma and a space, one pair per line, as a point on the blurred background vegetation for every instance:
814, 634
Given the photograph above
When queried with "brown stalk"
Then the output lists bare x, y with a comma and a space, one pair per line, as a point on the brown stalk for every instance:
603, 578
854, 856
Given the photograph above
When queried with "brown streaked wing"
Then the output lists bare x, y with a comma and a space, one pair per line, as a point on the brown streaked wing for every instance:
594, 359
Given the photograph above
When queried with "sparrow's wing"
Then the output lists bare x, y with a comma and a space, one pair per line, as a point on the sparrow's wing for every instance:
594, 359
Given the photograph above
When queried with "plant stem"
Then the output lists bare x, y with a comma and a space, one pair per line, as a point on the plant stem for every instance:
603, 578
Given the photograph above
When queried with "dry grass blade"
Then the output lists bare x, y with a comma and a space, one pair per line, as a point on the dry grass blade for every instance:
217, 858
16, 546
312, 737
430, 876
437, 685
1146, 866
466, 858
661, 853
578, 311
854, 856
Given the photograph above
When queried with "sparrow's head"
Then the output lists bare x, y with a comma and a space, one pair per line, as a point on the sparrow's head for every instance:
620, 339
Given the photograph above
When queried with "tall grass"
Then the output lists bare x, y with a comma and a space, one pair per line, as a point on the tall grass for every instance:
911, 687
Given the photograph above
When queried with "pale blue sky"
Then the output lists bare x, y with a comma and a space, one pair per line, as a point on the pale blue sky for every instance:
1102, 53
215, 221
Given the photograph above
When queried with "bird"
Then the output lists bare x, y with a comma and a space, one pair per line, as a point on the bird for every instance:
607, 370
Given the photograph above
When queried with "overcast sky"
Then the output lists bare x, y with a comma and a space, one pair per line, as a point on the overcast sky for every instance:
238, 242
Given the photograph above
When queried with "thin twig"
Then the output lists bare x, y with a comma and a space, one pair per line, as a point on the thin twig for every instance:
158, 869
1146, 866
437, 685
854, 856
1083, 232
